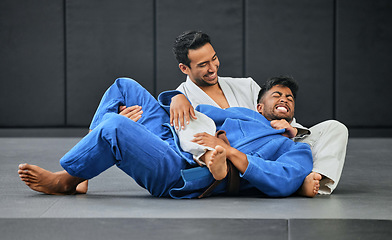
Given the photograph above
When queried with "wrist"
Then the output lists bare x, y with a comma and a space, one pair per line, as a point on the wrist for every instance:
230, 152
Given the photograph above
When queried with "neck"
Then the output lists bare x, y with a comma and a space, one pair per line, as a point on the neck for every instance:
210, 88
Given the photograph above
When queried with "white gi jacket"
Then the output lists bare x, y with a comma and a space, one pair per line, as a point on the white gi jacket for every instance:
239, 92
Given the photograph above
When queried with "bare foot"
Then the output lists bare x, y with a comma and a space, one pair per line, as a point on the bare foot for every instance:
311, 185
82, 187
217, 163
41, 180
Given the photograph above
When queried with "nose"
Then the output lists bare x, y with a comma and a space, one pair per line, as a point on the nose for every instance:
212, 68
283, 99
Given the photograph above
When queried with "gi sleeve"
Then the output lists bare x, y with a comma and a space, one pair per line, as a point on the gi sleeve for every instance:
302, 131
283, 173
199, 125
164, 99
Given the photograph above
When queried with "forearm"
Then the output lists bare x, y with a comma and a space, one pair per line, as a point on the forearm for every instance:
165, 98
238, 158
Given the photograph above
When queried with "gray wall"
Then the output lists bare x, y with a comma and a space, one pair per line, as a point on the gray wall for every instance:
57, 57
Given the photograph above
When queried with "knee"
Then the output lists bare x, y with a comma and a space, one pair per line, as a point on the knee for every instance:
126, 83
112, 122
337, 128
130, 89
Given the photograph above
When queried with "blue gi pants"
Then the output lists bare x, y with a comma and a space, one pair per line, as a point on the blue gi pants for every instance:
145, 150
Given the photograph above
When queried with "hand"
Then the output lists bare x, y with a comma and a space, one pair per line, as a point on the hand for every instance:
238, 158
133, 112
180, 108
208, 140
283, 124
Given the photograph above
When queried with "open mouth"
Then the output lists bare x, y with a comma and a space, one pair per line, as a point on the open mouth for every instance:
282, 109
210, 77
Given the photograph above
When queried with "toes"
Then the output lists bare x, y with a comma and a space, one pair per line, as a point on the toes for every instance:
21, 176
209, 164
213, 154
23, 166
317, 176
24, 172
219, 149
24, 178
28, 178
26, 175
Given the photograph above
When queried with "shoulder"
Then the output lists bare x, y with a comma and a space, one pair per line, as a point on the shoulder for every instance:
233, 80
181, 86
241, 83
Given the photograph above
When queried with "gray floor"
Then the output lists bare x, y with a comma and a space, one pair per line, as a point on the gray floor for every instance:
115, 205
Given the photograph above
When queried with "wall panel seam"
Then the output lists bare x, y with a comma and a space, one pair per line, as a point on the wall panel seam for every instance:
65, 61
334, 60
244, 31
155, 42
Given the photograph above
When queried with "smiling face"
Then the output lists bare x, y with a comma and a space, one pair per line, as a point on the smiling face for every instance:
204, 65
277, 103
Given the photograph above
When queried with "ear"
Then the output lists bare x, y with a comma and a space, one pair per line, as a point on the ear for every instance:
260, 108
184, 68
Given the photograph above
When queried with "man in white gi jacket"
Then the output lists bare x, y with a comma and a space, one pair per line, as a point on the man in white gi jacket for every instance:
198, 60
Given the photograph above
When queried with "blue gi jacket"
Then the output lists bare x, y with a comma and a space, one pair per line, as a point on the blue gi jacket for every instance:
277, 165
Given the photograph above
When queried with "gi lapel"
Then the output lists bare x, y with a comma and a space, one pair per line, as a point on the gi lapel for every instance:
228, 92
196, 95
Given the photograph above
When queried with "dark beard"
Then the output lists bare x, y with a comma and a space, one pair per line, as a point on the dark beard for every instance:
202, 83
288, 119
271, 117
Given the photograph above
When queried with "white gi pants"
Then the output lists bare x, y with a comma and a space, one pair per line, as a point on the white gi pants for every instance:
328, 142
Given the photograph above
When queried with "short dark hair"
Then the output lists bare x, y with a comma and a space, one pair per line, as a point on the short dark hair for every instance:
280, 80
188, 40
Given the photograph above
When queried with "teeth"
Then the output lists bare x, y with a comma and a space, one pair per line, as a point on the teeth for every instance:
282, 109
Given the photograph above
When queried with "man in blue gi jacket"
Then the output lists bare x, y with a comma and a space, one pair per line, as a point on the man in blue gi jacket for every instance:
148, 151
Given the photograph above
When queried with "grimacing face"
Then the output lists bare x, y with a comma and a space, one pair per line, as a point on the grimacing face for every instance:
277, 103
204, 65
